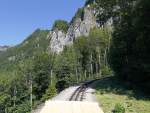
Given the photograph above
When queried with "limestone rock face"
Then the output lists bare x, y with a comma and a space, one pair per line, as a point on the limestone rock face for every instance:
57, 40
79, 27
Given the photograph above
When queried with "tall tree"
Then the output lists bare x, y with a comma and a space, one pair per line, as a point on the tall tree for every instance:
130, 46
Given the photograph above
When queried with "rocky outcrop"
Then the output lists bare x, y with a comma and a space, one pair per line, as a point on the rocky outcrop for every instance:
57, 40
79, 27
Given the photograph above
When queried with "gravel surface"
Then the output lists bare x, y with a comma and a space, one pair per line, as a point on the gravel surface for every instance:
71, 107
66, 94
61, 102
62, 96
89, 95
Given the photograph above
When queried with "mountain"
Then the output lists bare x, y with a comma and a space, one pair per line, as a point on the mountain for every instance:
56, 39
4, 48
81, 24
33, 60
36, 43
84, 20
30, 73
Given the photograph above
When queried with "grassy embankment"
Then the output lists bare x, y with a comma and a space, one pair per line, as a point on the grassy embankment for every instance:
111, 92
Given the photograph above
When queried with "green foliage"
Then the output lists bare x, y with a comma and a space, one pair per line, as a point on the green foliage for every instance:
95, 46
75, 61
130, 45
4, 101
17, 66
34, 44
119, 109
28, 64
62, 84
79, 14
22, 108
106, 71
41, 71
50, 92
111, 91
88, 2
61, 25
27, 69
105, 9
65, 65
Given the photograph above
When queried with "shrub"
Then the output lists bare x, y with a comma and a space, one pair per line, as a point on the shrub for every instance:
119, 108
106, 71
61, 25
50, 93
61, 85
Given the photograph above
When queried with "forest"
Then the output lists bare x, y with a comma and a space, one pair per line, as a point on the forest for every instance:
30, 73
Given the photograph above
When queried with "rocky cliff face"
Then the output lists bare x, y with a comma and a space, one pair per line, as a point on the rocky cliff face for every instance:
79, 27
57, 40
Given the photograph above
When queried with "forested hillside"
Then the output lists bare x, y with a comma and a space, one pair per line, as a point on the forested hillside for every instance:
36, 42
14, 87
115, 41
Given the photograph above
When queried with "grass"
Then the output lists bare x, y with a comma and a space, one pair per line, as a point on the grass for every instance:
110, 92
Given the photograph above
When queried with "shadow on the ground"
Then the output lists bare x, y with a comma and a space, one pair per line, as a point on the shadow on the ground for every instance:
113, 85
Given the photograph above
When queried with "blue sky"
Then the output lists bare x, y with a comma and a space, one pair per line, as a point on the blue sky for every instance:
19, 18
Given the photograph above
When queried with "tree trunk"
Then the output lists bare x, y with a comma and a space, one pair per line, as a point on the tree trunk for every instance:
51, 77
91, 67
31, 88
15, 91
85, 74
99, 57
77, 78
99, 60
105, 57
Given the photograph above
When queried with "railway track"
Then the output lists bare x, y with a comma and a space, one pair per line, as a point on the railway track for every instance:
79, 93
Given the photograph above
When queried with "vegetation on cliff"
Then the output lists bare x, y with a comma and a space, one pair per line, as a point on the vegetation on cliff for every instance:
61, 25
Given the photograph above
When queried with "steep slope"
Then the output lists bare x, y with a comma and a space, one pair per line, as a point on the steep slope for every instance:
81, 24
35, 43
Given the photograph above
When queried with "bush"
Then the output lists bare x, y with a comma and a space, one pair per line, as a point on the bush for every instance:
61, 25
21, 108
119, 109
106, 71
50, 93
61, 85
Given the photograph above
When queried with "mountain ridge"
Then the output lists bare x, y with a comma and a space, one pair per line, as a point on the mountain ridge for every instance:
4, 47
